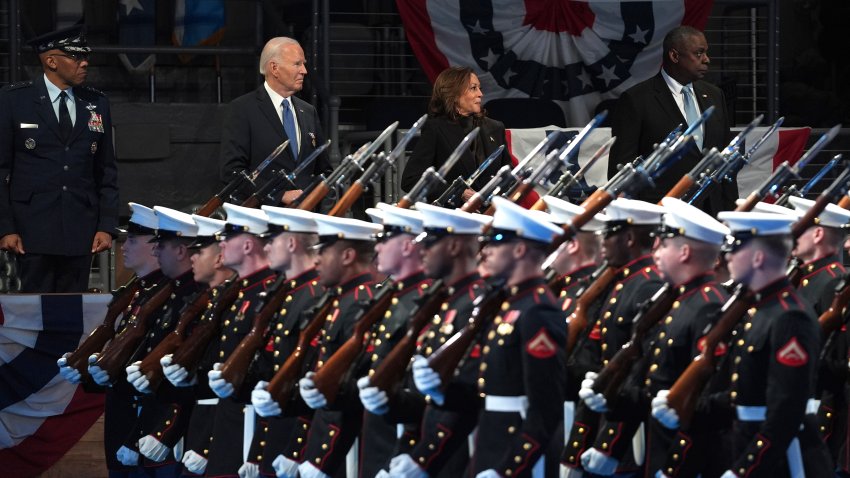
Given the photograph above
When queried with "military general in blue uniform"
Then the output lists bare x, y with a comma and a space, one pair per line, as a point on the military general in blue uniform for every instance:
58, 182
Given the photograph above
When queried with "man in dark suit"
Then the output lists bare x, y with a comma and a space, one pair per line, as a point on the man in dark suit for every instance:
58, 180
257, 122
647, 112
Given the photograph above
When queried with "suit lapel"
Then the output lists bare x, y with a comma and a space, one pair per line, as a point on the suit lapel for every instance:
303, 128
83, 116
268, 110
45, 108
665, 100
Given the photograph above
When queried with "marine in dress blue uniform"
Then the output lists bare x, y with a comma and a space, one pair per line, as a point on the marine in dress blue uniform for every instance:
58, 180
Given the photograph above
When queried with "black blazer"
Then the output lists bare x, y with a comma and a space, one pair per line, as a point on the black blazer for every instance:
439, 138
252, 130
646, 113
58, 194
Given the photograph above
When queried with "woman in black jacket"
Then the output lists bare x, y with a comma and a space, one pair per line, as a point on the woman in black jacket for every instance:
453, 111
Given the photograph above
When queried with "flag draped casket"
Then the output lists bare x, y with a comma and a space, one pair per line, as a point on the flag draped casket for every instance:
41, 415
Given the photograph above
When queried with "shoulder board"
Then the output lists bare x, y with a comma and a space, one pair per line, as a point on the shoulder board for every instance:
18, 85
94, 91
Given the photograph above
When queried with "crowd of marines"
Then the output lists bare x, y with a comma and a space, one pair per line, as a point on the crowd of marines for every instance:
439, 342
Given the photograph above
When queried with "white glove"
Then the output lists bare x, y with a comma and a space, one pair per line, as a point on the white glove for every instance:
729, 474
99, 375
662, 412
307, 470
403, 466
594, 401
311, 395
67, 372
427, 380
127, 457
284, 467
175, 373
153, 449
597, 462
138, 380
374, 399
194, 462
262, 401
491, 473
249, 470
217, 384
661, 474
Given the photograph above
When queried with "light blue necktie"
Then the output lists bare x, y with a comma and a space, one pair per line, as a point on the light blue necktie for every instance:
289, 129
691, 115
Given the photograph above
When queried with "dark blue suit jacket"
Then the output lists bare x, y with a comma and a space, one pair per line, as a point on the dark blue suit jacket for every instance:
252, 130
56, 195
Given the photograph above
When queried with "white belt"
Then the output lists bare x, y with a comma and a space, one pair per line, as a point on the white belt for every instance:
208, 401
758, 413
496, 403
247, 430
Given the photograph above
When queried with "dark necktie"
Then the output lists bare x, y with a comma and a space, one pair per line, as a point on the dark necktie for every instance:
289, 129
65, 125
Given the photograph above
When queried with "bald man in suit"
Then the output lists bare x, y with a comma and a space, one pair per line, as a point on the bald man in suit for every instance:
647, 112
255, 123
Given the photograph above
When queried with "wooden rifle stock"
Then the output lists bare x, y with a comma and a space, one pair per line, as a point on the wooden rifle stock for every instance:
473, 204
833, 317
189, 354
119, 351
315, 197
207, 209
611, 378
347, 200
332, 374
578, 319
150, 366
685, 393
403, 203
844, 202
103, 333
253, 202
445, 359
236, 366
283, 383
750, 203
683, 186
390, 372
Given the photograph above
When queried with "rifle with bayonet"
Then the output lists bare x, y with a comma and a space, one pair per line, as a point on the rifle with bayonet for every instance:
150, 366
711, 162
445, 359
390, 372
685, 392
235, 368
188, 355
270, 192
551, 161
432, 179
733, 161
349, 167
568, 179
118, 352
282, 385
785, 171
103, 333
452, 197
332, 375
610, 380
239, 181
375, 171
833, 318
802, 192
507, 175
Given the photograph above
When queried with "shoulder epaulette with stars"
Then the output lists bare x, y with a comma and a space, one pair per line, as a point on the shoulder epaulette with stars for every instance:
18, 85
92, 90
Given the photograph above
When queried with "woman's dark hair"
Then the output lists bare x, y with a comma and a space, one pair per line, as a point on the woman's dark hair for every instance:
448, 87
